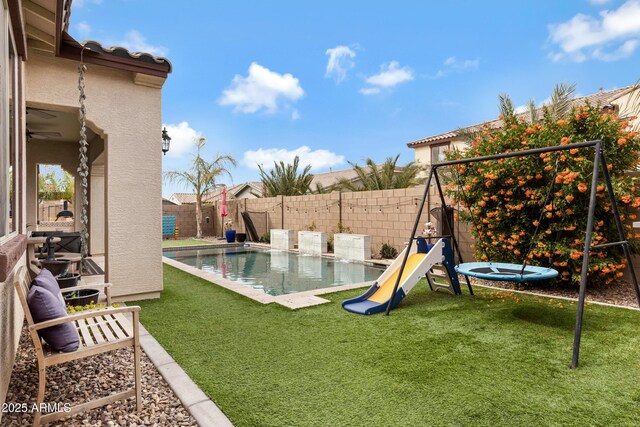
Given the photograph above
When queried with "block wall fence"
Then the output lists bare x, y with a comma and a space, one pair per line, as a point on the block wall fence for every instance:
385, 215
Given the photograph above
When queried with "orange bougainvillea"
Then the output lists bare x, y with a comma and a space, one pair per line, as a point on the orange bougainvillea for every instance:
507, 197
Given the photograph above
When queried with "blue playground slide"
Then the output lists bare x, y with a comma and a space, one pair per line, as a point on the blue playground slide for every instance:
376, 298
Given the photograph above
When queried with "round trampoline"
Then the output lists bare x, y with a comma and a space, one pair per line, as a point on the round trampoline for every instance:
500, 271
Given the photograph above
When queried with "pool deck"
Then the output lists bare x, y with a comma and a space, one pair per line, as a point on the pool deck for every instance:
292, 301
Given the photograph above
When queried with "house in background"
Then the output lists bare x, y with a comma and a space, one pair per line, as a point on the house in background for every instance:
39, 125
329, 180
246, 190
432, 149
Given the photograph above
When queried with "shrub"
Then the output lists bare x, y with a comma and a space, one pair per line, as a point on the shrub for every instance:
266, 237
387, 251
506, 196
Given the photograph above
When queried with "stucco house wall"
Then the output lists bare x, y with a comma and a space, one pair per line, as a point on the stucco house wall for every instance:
131, 133
423, 153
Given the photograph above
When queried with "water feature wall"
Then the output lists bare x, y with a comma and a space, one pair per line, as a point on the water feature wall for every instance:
282, 239
312, 242
352, 246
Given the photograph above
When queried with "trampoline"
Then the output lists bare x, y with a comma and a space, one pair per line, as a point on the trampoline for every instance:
500, 271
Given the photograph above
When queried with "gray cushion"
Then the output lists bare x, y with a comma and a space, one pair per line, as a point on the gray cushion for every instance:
46, 280
44, 306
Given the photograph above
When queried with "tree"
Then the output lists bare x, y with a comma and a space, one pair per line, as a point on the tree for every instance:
383, 177
55, 183
201, 177
284, 180
505, 198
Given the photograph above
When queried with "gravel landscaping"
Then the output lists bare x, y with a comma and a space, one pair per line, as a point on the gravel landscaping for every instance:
620, 294
93, 377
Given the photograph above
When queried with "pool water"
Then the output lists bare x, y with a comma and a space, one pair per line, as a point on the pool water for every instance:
276, 272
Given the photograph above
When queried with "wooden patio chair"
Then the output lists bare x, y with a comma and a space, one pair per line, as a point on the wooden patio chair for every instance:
101, 330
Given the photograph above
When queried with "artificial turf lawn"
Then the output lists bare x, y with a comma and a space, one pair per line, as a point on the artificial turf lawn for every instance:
186, 242
496, 359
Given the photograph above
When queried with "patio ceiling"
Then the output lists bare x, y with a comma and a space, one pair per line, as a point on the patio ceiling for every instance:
65, 123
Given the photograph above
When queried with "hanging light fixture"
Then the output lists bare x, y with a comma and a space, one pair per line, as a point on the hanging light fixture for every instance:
166, 140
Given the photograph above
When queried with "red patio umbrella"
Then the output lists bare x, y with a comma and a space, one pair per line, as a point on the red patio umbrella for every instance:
223, 208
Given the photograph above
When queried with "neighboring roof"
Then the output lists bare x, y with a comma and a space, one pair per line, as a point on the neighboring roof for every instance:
328, 179
190, 198
604, 98
254, 187
166, 201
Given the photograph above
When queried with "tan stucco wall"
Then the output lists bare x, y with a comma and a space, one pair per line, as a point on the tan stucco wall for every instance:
629, 106
129, 118
11, 318
423, 154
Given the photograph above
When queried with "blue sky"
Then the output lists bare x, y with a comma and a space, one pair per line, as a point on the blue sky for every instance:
346, 80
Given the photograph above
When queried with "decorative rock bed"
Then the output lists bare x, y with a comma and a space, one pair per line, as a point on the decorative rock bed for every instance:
619, 294
65, 383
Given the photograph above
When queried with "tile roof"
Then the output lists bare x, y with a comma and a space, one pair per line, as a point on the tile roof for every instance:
232, 191
604, 98
327, 179
123, 52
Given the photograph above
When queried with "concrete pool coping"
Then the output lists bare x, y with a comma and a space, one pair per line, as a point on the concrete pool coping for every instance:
292, 301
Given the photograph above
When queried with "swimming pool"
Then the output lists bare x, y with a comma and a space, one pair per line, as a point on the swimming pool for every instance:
276, 272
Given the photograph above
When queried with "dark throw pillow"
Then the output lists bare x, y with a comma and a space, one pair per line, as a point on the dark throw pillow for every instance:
46, 306
46, 280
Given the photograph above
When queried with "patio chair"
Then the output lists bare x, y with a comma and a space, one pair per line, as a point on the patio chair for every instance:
100, 331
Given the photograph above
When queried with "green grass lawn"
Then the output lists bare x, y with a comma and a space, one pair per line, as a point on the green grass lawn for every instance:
185, 242
494, 360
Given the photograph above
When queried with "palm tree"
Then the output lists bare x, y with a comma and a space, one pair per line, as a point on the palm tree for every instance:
383, 177
201, 177
284, 180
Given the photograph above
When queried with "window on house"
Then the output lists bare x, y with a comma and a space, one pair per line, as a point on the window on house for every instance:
8, 130
13, 139
438, 152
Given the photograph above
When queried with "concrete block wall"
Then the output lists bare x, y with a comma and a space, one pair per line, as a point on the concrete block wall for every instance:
186, 219
387, 216
312, 242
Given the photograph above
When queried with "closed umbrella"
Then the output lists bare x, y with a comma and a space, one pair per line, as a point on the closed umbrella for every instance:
223, 208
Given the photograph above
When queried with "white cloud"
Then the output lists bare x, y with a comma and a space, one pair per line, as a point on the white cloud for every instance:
598, 2
453, 64
318, 159
624, 51
340, 61
261, 89
390, 75
84, 29
82, 3
183, 138
136, 42
612, 36
370, 90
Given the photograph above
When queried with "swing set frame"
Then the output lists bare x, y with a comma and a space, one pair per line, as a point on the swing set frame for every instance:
599, 166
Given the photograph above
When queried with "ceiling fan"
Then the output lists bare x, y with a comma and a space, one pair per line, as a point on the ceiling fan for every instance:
40, 113
42, 135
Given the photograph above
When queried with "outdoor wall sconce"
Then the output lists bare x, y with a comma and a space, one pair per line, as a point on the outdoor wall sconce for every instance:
166, 140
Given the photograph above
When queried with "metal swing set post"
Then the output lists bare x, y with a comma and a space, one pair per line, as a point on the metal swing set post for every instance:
599, 161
